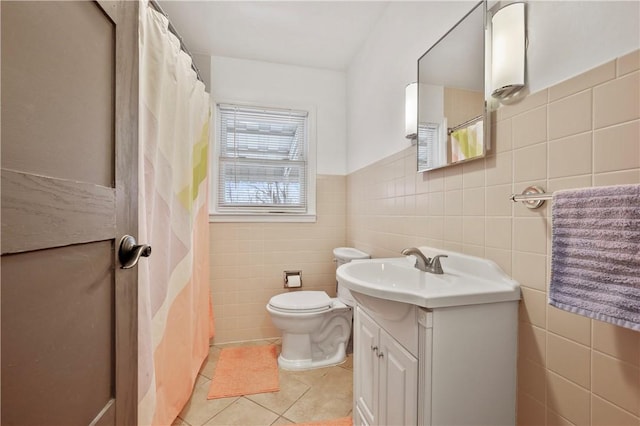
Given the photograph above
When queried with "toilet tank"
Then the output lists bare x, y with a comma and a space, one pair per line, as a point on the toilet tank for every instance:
344, 255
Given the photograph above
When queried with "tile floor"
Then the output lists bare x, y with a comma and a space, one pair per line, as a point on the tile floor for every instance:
304, 396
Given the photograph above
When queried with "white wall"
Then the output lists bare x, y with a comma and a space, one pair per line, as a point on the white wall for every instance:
378, 74
565, 39
203, 62
270, 84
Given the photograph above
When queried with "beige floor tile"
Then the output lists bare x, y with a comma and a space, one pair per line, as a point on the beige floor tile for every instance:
309, 377
200, 379
179, 422
330, 398
199, 409
247, 343
348, 363
291, 390
209, 366
244, 413
282, 421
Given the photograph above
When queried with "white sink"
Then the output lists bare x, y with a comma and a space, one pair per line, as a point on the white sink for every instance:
467, 280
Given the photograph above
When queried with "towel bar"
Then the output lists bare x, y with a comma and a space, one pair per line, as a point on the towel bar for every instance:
532, 197
465, 124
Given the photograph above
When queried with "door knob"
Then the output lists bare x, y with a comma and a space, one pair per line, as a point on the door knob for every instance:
130, 252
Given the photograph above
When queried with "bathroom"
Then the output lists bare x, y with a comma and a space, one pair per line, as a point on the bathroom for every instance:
578, 127
571, 370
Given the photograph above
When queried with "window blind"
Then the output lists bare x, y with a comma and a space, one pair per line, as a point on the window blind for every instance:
427, 145
262, 160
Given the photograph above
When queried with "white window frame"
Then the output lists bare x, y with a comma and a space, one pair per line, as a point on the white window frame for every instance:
218, 215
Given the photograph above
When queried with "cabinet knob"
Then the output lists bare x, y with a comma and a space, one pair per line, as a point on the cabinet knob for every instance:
380, 355
374, 348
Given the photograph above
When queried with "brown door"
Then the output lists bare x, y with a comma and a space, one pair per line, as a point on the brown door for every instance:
69, 186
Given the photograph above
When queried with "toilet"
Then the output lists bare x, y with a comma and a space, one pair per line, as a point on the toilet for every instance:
315, 327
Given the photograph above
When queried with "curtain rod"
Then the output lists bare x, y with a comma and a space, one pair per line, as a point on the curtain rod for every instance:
159, 9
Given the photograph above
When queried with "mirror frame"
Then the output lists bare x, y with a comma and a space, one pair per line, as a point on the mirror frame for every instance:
486, 113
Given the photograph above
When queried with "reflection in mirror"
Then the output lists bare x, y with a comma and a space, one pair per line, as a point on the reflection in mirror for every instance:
452, 115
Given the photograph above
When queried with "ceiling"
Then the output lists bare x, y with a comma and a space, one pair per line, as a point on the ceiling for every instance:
319, 34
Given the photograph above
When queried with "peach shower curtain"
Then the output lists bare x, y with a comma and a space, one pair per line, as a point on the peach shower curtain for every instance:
174, 317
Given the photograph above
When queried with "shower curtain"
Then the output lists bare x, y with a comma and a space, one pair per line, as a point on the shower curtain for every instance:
175, 319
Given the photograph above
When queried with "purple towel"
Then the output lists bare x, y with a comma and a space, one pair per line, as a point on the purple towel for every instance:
595, 253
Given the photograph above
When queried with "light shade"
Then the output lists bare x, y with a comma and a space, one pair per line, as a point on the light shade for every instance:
508, 51
411, 111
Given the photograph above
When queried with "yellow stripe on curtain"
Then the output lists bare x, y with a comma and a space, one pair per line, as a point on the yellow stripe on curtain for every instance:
174, 318
200, 168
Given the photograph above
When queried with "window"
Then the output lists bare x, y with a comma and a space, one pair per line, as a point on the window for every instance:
262, 165
428, 155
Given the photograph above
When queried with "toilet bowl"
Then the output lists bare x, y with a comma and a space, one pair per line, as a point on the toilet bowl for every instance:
315, 327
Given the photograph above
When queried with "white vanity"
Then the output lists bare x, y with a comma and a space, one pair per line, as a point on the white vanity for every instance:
433, 349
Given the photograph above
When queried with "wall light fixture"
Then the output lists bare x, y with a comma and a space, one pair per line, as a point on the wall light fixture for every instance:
508, 46
411, 112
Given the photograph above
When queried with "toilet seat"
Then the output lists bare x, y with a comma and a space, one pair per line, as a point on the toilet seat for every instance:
301, 301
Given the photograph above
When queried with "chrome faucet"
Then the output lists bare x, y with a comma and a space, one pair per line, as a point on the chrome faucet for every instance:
424, 263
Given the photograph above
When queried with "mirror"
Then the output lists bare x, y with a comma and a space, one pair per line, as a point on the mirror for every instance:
453, 120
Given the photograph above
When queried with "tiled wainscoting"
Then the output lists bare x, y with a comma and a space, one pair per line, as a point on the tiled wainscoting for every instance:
248, 261
580, 133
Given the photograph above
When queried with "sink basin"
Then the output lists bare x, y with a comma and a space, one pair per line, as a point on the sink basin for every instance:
467, 280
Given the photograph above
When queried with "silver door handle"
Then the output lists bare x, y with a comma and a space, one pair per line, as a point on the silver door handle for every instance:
130, 252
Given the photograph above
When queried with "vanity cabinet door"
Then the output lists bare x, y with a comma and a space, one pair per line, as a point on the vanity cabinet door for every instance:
359, 419
385, 377
398, 383
366, 367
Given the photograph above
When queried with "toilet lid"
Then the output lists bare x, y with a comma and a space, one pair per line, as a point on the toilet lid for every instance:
302, 301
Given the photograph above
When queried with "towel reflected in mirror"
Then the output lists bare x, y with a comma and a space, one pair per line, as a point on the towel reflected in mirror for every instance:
467, 142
